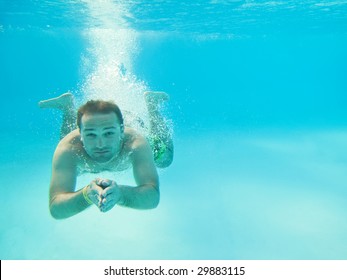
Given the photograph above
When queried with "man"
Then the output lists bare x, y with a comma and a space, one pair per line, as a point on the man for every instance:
102, 143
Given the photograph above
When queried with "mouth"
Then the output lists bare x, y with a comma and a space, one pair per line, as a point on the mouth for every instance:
102, 152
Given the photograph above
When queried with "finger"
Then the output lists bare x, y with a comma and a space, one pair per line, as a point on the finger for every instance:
104, 183
95, 198
107, 191
95, 187
106, 201
97, 181
96, 191
107, 206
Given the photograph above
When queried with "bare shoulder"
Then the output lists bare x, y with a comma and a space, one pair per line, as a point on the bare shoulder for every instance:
68, 149
138, 149
134, 140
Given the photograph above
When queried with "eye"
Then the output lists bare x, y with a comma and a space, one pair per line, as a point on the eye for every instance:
90, 135
109, 133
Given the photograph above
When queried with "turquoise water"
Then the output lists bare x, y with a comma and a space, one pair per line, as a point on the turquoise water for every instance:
258, 104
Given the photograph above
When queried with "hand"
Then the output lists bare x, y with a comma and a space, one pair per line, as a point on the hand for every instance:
95, 188
103, 183
110, 196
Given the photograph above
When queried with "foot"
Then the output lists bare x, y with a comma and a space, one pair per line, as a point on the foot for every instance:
62, 102
156, 97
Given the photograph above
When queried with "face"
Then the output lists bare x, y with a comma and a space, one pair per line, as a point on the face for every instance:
101, 135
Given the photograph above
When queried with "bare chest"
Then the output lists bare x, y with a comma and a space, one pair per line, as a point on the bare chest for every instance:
86, 165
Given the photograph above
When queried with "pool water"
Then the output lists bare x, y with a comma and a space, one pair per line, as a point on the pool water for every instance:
257, 102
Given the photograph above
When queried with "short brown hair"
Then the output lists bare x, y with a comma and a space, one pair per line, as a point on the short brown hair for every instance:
99, 106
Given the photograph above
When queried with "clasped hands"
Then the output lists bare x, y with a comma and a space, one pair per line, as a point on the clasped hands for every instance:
104, 193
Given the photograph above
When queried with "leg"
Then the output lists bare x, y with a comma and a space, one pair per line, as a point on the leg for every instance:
160, 136
65, 103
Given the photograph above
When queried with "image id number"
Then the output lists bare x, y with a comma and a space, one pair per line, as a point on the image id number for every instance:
221, 270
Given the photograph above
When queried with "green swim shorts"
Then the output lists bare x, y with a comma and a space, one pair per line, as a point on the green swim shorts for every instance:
158, 147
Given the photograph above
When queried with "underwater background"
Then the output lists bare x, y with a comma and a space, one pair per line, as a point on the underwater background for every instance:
257, 105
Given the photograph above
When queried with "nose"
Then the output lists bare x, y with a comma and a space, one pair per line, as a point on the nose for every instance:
100, 143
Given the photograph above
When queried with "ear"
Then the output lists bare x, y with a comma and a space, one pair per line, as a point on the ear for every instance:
121, 131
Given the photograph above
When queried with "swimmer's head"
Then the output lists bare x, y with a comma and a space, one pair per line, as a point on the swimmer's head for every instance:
101, 128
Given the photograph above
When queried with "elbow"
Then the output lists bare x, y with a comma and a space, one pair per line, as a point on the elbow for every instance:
155, 200
155, 204
55, 211
150, 201
53, 207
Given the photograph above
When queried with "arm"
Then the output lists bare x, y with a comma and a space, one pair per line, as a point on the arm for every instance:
145, 195
64, 202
